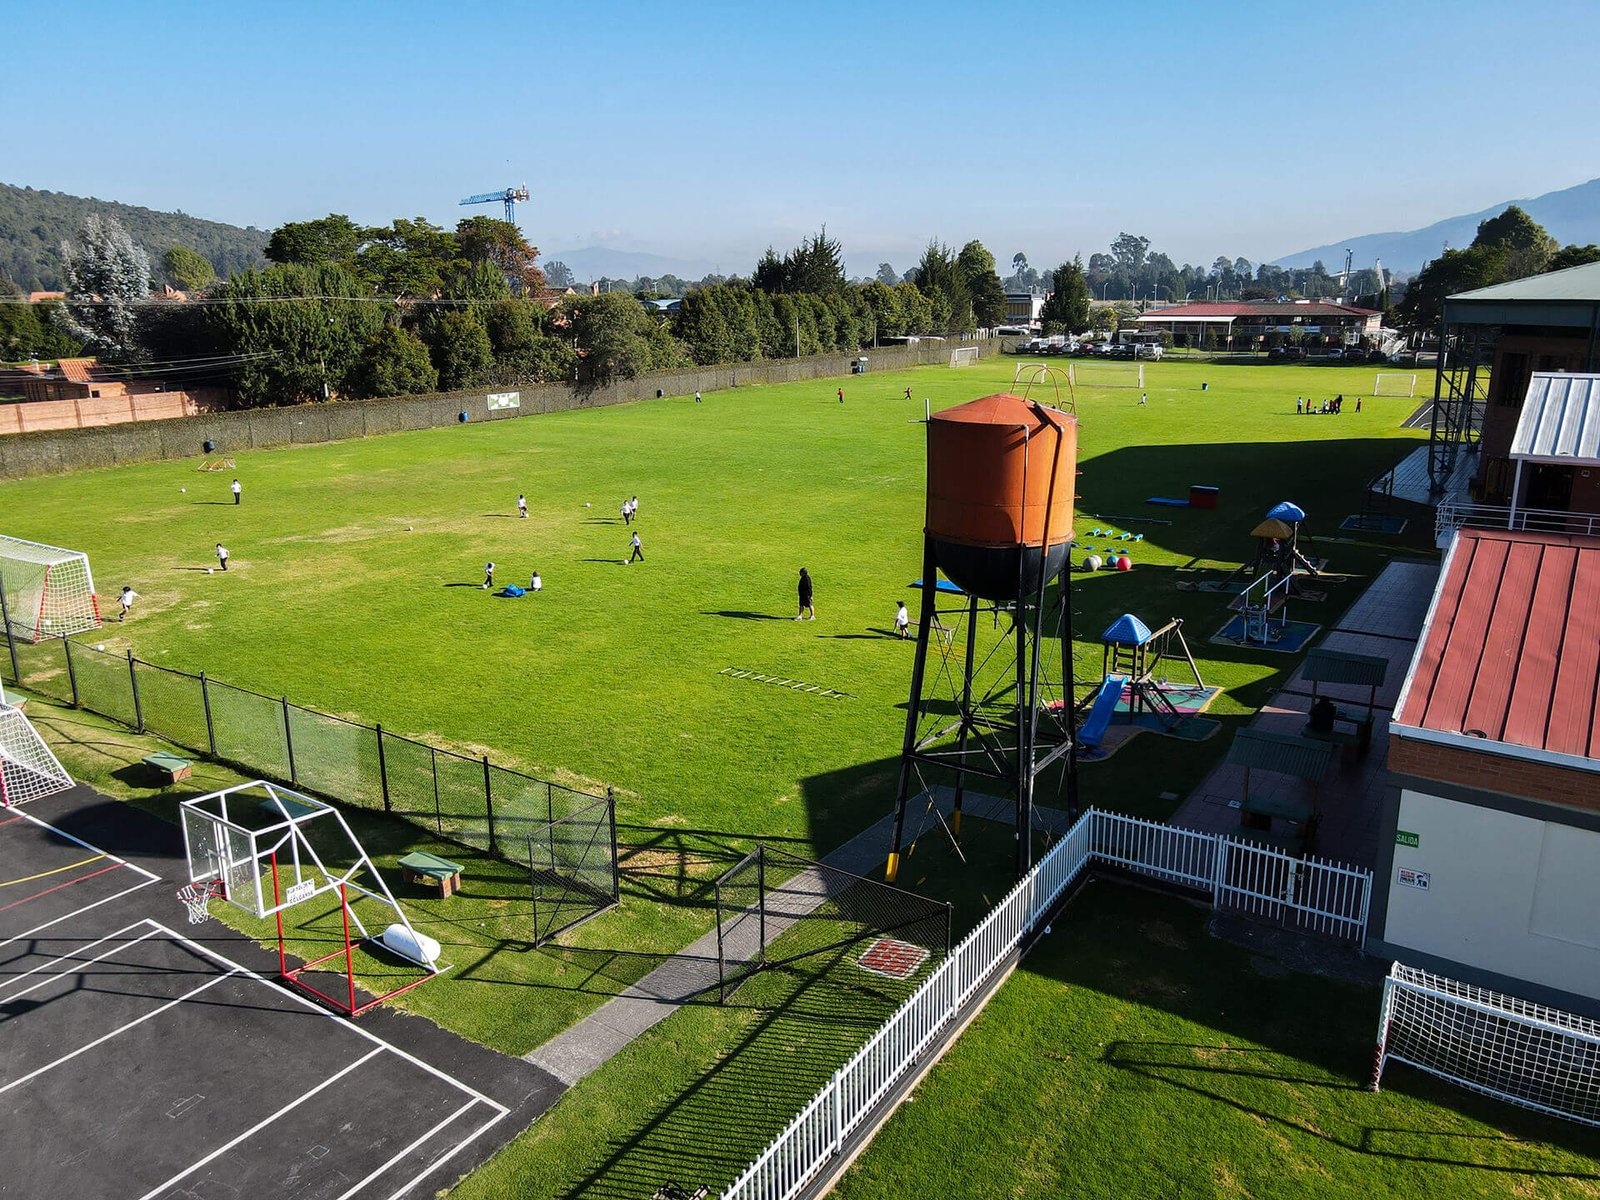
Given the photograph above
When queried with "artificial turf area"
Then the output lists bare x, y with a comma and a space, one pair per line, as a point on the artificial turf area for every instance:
1133, 1055
354, 589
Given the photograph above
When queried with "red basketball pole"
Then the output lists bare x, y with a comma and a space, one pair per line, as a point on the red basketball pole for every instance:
283, 965
349, 956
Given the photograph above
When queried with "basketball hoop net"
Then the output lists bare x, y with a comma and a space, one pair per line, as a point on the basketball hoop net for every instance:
195, 896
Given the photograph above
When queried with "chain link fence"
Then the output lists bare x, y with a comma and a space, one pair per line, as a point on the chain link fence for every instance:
775, 908
469, 801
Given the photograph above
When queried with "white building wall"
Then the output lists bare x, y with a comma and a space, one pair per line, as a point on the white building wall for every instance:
1506, 893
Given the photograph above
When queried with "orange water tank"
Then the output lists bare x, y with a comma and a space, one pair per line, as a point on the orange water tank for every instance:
1001, 475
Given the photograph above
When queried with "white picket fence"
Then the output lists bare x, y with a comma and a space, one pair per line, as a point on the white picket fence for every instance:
1308, 893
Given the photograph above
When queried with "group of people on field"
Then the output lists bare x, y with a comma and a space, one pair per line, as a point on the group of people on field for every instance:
1305, 404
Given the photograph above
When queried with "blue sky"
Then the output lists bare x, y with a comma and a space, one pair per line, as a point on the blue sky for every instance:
704, 131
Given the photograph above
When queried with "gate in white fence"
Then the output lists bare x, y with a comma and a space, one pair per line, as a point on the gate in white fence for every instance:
1311, 895
1307, 894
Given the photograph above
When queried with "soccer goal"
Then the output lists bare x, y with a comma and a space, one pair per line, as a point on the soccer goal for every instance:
266, 849
45, 591
1394, 385
28, 770
963, 356
1512, 1049
1106, 374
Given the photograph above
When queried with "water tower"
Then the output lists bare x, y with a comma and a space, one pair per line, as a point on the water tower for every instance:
1001, 476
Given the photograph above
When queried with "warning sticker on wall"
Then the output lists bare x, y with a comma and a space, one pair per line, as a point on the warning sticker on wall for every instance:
1416, 879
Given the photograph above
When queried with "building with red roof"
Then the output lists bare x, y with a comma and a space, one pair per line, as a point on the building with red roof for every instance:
1489, 859
1260, 324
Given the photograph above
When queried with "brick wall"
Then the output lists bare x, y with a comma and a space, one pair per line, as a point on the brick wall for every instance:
119, 408
1495, 773
50, 452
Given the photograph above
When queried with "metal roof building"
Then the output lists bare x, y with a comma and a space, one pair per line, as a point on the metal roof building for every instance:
1509, 659
1560, 421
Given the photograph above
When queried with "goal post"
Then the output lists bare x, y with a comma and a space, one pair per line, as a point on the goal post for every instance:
28, 769
1394, 385
1502, 1046
964, 356
45, 591
1106, 374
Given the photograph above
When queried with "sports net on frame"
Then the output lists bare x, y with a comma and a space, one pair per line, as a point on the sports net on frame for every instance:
1539, 1057
775, 908
28, 770
267, 849
47, 591
1394, 385
964, 356
1106, 374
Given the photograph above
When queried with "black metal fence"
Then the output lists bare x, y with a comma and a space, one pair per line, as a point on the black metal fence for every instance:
572, 862
469, 801
775, 908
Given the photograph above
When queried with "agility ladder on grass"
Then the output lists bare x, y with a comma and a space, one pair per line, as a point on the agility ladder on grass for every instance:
795, 685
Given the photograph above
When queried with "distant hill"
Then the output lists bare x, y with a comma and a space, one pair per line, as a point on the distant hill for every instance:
596, 262
1571, 215
33, 224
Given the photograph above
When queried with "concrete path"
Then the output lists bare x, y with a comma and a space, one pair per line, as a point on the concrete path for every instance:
1384, 621
693, 972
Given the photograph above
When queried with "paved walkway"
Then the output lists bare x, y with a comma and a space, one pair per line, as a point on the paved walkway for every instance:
692, 972
1385, 621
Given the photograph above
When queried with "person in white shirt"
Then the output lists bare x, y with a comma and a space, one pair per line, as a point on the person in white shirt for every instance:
638, 551
222, 555
126, 601
522, 505
627, 513
536, 584
236, 491
902, 619
488, 576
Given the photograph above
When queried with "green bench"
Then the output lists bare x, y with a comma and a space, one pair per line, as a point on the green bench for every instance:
169, 768
429, 870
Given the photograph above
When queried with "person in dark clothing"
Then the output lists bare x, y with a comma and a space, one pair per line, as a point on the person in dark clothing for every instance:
1322, 714
805, 597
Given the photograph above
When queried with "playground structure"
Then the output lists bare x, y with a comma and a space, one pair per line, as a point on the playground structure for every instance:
1273, 576
1133, 669
1001, 481
266, 849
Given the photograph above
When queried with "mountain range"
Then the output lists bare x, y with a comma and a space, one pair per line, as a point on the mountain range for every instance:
1571, 215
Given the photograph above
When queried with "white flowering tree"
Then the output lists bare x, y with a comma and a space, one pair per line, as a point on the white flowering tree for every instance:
107, 276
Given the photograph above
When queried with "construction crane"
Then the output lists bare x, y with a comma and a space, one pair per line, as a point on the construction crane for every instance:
509, 198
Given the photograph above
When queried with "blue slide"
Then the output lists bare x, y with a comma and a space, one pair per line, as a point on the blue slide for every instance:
1105, 704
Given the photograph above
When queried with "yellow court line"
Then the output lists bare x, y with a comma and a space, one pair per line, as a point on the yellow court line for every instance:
57, 871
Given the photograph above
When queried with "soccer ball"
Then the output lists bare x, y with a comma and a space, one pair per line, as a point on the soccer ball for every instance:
211, 570
183, 489
408, 529
586, 504
101, 646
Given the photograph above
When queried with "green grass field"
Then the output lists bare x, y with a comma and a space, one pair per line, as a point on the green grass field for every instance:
354, 590
1134, 1055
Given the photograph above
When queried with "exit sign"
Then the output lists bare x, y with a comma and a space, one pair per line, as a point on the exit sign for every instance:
1402, 838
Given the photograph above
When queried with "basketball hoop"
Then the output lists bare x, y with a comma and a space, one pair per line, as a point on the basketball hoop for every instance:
195, 896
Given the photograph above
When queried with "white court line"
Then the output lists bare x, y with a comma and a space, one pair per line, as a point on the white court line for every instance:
262, 1124
332, 1016
419, 1141
87, 907
453, 1151
121, 1029
77, 963
87, 846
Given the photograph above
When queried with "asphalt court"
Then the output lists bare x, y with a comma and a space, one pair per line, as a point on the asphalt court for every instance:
159, 1061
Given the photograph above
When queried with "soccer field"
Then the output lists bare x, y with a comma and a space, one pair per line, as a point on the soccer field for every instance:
355, 571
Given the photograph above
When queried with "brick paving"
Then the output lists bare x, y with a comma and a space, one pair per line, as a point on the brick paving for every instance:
1385, 621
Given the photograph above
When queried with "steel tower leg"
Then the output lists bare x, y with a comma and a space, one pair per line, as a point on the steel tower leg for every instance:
914, 708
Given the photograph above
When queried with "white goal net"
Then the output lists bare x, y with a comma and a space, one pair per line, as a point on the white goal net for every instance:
1538, 1057
47, 591
1394, 385
1106, 374
964, 356
28, 770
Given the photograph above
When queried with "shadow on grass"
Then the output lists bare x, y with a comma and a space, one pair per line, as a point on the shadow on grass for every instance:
743, 614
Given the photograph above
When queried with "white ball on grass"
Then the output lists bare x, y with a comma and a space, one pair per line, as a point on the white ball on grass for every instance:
101, 646
211, 570
183, 489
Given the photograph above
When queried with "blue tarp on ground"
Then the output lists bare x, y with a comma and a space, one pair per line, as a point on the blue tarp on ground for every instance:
944, 585
1166, 501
